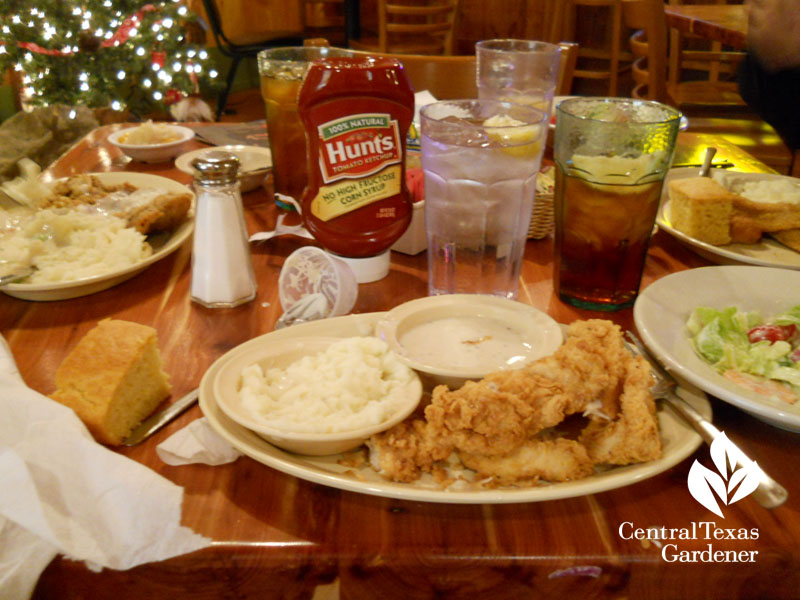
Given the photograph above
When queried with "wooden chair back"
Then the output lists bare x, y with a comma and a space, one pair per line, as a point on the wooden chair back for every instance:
413, 27
325, 18
653, 55
603, 61
690, 52
649, 47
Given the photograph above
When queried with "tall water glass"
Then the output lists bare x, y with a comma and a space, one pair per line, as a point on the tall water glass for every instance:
282, 71
611, 157
480, 159
522, 71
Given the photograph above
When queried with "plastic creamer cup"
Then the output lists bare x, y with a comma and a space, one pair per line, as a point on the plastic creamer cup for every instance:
315, 285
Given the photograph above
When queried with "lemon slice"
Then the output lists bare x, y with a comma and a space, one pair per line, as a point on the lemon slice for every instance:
517, 138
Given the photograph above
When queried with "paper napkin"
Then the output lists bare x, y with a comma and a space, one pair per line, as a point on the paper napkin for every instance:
197, 443
63, 493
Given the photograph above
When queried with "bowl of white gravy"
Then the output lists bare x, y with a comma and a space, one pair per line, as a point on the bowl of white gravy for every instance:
453, 338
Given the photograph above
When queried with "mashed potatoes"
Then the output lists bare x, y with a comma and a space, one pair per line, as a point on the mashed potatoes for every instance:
150, 133
774, 191
355, 383
66, 246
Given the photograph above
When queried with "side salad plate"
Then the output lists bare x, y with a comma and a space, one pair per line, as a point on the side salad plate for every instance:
663, 309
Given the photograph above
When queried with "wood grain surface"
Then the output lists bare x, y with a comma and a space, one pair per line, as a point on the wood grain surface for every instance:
276, 536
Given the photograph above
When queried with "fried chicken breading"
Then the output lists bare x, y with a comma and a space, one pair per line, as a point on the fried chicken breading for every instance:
501, 426
552, 460
147, 211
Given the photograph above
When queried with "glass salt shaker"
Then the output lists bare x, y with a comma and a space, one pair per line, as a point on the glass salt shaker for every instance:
222, 269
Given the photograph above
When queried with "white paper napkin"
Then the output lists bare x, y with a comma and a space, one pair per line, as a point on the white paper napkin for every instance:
63, 493
197, 443
421, 99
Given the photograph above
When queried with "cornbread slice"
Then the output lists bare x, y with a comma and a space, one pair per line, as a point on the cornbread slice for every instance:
113, 379
701, 208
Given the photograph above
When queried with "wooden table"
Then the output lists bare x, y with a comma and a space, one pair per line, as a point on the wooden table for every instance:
276, 536
726, 23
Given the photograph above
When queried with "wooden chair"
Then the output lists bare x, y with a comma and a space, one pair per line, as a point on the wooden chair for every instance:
412, 27
595, 62
325, 19
710, 96
649, 71
239, 50
689, 52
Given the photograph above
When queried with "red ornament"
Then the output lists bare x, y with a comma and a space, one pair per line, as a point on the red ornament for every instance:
172, 96
158, 58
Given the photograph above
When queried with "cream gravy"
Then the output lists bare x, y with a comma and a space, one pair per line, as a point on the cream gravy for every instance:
469, 342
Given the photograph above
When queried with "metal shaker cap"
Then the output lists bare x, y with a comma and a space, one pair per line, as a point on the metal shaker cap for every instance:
216, 167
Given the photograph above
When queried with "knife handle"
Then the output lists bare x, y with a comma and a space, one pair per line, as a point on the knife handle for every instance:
769, 493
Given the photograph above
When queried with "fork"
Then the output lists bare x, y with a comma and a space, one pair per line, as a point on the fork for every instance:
769, 493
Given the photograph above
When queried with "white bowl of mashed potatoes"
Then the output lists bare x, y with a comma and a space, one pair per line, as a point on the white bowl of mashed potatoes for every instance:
152, 142
316, 395
453, 338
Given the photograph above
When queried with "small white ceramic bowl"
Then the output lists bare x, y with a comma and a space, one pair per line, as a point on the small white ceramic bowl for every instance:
255, 163
453, 338
153, 153
281, 353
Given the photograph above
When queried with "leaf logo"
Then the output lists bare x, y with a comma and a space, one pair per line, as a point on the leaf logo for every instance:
731, 484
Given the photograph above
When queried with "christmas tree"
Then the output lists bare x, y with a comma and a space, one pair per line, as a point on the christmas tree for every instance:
124, 54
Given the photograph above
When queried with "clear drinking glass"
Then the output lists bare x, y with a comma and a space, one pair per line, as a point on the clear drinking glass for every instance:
611, 157
282, 71
522, 71
480, 159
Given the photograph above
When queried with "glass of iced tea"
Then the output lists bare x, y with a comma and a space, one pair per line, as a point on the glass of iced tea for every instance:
521, 71
611, 157
282, 71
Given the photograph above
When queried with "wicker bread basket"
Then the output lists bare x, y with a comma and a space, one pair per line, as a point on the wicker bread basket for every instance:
542, 214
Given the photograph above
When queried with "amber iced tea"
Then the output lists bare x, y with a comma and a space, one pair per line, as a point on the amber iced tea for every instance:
287, 138
602, 232
282, 71
611, 157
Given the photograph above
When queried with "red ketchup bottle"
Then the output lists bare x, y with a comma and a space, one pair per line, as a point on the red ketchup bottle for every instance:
356, 112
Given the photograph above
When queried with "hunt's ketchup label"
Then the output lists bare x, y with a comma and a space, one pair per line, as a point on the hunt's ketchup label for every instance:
356, 112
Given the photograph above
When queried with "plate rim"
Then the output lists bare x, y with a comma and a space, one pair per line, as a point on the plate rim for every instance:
175, 241
261, 451
709, 380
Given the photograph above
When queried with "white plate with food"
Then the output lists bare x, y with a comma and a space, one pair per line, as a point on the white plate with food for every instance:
768, 252
352, 471
255, 163
662, 310
135, 257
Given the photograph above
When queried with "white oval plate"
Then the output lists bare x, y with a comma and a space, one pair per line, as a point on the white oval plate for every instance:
89, 285
767, 253
663, 307
678, 442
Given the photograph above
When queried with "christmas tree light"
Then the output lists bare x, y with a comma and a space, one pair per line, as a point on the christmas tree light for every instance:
104, 53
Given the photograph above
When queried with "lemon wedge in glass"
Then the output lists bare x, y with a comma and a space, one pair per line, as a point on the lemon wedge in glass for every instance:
517, 138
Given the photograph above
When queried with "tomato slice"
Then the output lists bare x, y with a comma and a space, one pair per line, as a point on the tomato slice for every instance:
770, 333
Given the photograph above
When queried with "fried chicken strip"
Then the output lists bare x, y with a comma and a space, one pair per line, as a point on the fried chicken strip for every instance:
552, 460
632, 436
